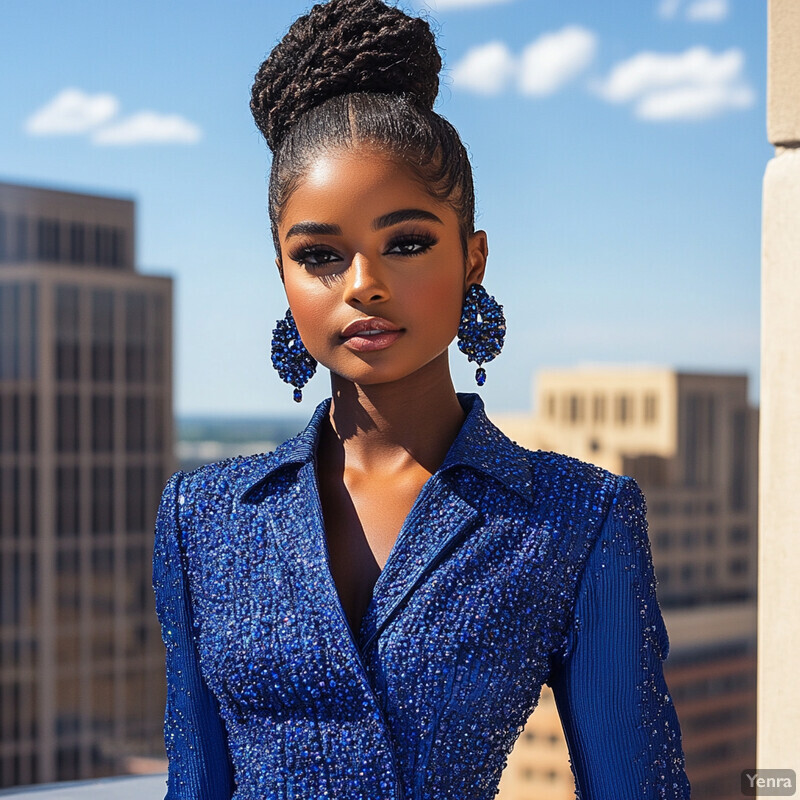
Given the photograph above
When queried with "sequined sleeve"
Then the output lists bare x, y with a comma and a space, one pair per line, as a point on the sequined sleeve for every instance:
621, 727
199, 762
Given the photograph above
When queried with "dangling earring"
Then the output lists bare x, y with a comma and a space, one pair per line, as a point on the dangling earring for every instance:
294, 363
482, 329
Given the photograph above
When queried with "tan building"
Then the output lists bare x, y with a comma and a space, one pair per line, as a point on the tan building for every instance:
86, 444
690, 440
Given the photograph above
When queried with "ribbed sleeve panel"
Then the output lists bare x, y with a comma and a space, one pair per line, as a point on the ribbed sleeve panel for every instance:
620, 724
200, 767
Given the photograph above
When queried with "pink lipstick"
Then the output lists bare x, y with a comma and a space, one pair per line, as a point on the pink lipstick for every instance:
370, 333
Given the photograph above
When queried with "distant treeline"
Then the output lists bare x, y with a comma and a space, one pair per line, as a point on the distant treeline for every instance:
220, 429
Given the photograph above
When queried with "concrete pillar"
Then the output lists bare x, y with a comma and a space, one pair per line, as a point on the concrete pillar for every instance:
779, 445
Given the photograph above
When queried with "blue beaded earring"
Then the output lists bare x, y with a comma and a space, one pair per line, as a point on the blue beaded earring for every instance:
482, 330
294, 363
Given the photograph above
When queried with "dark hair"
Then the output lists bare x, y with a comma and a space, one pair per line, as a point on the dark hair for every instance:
359, 71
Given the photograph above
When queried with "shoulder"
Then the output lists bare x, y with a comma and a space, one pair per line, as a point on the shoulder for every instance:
226, 476
580, 495
563, 480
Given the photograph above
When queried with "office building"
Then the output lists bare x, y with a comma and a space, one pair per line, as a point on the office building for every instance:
86, 444
690, 441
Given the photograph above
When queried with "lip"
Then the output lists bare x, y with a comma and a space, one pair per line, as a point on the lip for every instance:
366, 324
370, 333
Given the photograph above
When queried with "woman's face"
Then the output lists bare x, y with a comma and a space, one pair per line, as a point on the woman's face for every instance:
373, 267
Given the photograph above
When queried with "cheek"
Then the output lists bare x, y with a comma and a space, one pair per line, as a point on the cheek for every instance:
438, 302
309, 309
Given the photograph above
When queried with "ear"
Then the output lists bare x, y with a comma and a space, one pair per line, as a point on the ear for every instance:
477, 253
279, 265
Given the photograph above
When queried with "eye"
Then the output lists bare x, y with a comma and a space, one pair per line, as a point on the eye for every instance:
412, 244
313, 257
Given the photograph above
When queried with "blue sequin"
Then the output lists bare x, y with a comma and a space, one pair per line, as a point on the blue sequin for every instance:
513, 568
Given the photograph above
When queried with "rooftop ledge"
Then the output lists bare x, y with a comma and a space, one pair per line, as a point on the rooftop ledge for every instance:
127, 787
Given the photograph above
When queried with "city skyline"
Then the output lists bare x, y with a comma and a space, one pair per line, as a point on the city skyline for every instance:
618, 157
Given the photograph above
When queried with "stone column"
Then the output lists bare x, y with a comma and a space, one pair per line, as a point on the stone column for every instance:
779, 445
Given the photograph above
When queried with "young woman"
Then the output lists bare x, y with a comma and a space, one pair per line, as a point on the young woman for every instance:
370, 611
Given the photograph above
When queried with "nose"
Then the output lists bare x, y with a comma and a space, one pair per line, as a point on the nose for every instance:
365, 283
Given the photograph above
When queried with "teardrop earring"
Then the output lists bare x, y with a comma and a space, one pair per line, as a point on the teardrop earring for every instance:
482, 330
294, 363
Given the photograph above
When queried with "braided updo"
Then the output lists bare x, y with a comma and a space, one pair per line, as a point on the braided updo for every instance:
354, 72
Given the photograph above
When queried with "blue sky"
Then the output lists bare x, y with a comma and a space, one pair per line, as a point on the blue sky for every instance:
618, 151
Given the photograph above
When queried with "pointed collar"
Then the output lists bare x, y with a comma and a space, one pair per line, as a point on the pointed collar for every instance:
479, 445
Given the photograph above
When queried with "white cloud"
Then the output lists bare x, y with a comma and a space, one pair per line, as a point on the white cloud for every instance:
148, 127
694, 102
72, 111
446, 5
690, 85
667, 9
555, 58
707, 11
696, 11
544, 66
485, 69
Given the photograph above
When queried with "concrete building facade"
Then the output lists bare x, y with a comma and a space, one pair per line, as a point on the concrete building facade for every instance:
690, 441
86, 444
779, 445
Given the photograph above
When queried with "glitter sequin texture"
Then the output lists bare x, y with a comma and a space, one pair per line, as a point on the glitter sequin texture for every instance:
514, 568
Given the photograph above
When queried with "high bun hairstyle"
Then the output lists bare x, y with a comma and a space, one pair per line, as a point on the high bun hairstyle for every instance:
356, 72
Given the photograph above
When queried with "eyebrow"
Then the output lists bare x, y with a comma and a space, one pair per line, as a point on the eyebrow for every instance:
385, 221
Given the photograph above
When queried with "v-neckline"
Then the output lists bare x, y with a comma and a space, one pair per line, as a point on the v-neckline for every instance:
357, 637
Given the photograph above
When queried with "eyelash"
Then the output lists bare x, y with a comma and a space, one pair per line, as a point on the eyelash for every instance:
425, 240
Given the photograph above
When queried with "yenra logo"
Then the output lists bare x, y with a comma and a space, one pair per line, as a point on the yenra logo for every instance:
757, 782
768, 782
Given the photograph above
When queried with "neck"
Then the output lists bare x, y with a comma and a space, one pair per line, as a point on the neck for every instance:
394, 425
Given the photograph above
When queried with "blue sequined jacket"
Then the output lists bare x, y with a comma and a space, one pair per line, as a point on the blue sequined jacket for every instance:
514, 568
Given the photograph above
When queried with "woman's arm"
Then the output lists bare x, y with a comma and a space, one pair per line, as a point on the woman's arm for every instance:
199, 763
620, 724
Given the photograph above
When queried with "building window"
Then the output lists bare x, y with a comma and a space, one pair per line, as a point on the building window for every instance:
67, 333
48, 244
10, 334
158, 337
699, 440
135, 336
102, 246
551, 406
67, 501
136, 510
599, 408
117, 247
156, 411
3, 237
738, 566
102, 501
738, 534
575, 408
135, 426
33, 333
690, 539
77, 243
650, 408
623, 409
663, 540
102, 423
739, 461
102, 335
67, 423
22, 239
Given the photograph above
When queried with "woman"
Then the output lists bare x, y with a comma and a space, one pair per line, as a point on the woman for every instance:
370, 611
